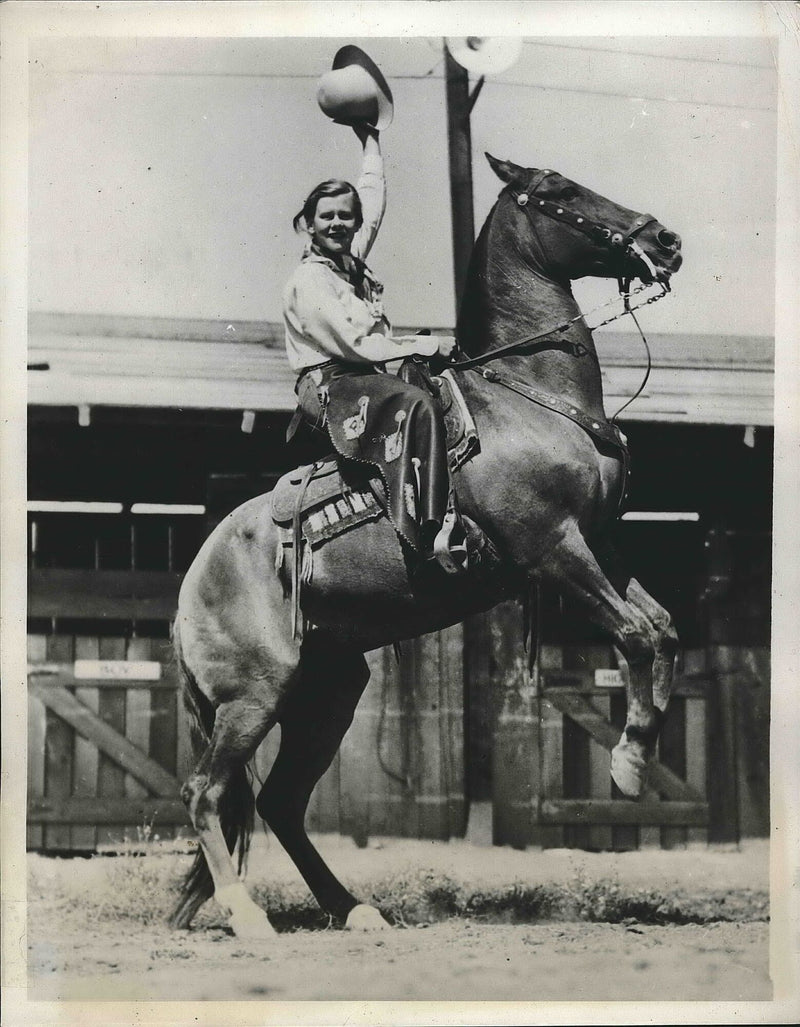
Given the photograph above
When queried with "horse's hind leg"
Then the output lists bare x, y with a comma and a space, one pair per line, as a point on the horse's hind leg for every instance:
313, 721
239, 726
572, 567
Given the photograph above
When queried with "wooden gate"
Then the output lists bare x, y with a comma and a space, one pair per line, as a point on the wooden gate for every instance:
108, 748
552, 746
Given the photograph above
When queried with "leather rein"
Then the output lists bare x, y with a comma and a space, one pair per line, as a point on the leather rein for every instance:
600, 234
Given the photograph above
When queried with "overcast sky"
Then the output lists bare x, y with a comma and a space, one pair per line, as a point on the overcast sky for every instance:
164, 174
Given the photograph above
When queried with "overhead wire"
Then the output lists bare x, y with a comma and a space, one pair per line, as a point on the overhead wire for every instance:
428, 76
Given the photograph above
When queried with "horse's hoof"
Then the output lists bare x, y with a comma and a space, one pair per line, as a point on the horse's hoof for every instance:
252, 925
365, 918
629, 766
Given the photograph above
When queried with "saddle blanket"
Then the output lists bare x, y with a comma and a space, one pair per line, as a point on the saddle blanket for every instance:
329, 506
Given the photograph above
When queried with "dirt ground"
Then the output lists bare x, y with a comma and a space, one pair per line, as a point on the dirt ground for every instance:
96, 930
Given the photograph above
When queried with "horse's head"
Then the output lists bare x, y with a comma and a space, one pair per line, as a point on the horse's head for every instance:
574, 232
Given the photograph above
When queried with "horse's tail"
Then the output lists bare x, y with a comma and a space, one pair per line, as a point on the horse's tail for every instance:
236, 804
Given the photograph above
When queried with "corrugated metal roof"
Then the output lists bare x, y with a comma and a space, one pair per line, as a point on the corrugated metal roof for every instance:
139, 362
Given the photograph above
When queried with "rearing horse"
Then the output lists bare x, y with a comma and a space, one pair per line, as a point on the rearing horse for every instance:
545, 486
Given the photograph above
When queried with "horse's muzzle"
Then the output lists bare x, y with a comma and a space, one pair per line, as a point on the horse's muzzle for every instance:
656, 252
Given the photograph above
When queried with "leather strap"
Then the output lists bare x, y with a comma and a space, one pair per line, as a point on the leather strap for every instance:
597, 428
297, 544
600, 429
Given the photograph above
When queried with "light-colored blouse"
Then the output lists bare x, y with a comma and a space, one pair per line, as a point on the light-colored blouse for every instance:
324, 316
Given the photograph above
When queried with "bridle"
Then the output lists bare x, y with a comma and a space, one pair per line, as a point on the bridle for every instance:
622, 241
598, 232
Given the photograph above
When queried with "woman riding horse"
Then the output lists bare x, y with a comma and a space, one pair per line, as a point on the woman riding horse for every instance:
545, 488
338, 340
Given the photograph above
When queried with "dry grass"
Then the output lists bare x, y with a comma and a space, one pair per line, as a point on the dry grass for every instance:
422, 883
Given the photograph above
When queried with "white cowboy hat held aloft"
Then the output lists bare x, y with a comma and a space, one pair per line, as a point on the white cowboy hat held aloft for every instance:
355, 90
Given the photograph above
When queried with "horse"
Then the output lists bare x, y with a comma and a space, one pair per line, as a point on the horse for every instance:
544, 488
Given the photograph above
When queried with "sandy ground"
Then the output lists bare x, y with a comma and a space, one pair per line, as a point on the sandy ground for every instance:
96, 931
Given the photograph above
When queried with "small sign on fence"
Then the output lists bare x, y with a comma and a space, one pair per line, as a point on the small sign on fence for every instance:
117, 670
607, 678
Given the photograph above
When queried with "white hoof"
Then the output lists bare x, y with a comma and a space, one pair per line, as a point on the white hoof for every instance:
365, 918
245, 918
629, 766
252, 925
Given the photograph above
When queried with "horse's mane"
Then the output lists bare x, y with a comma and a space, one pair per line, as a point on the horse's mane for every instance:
472, 312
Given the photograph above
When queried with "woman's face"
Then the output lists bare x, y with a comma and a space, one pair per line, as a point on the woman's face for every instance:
334, 223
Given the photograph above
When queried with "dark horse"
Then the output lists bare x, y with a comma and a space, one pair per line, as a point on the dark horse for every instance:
544, 488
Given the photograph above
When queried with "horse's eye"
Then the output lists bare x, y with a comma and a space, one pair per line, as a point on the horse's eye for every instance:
568, 193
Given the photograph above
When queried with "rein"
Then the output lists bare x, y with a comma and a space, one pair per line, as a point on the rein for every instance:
577, 348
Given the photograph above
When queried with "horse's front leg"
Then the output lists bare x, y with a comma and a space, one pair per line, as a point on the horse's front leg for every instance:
665, 635
666, 646
572, 568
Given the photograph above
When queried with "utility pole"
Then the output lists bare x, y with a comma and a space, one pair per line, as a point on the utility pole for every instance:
459, 143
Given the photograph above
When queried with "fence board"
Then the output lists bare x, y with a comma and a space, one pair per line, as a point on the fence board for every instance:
451, 656
37, 730
87, 757
551, 778
581, 710
696, 756
752, 718
108, 811
577, 743
110, 776
59, 740
600, 835
390, 794
137, 727
431, 799
114, 746
439, 711
672, 748
37, 733
514, 756
613, 811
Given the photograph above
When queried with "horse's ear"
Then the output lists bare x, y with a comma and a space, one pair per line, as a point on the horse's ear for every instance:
506, 171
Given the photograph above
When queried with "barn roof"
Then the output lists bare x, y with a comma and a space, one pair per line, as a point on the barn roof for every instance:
96, 360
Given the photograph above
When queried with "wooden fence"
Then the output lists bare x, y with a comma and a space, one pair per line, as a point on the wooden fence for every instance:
552, 758
108, 745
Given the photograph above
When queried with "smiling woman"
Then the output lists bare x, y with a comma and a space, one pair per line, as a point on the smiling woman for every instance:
338, 340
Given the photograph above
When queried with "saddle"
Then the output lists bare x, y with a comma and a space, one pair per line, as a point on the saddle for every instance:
330, 500
320, 501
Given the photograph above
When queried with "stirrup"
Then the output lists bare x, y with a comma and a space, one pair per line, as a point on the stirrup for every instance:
452, 556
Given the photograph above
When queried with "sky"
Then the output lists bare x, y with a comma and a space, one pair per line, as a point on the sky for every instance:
164, 173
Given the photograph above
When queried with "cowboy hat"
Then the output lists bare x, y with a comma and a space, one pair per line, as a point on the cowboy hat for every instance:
355, 90
484, 55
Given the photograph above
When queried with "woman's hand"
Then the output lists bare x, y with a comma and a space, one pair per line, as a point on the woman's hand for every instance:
446, 345
366, 132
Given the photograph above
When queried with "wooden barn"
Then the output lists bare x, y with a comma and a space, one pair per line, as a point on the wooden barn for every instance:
143, 433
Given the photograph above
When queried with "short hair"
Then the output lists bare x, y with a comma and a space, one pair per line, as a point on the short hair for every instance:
331, 187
